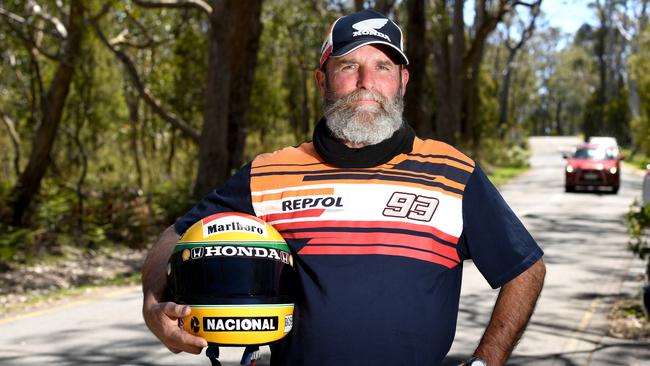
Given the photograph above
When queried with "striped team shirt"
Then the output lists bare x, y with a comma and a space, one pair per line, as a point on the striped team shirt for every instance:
378, 251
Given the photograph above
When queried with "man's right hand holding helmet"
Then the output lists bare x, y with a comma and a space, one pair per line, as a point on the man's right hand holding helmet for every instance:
162, 317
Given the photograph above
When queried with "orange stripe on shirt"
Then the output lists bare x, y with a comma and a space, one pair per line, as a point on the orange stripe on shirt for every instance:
295, 181
366, 224
293, 215
379, 238
378, 250
441, 148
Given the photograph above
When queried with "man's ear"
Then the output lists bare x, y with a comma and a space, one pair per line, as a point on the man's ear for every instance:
320, 81
405, 79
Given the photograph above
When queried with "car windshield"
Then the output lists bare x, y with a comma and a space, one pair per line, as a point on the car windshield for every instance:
594, 154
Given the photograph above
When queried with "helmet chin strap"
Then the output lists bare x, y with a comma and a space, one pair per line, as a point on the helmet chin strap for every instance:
212, 352
250, 356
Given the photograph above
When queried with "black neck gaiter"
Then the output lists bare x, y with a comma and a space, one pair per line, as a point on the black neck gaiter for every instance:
336, 153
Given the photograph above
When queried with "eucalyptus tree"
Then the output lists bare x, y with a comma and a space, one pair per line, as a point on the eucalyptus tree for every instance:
52, 34
513, 46
458, 53
233, 30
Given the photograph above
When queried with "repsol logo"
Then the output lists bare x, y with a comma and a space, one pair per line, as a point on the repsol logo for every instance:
240, 251
240, 324
334, 202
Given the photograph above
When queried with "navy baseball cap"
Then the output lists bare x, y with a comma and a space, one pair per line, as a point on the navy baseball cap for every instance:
352, 31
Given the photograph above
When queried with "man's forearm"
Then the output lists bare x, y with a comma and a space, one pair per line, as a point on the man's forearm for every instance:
154, 269
511, 314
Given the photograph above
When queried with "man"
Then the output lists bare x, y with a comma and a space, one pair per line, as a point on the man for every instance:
379, 222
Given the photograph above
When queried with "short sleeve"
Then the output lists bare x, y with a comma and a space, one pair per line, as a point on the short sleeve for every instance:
233, 196
493, 237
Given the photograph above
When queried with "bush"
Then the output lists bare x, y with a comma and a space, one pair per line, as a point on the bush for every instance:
638, 219
495, 154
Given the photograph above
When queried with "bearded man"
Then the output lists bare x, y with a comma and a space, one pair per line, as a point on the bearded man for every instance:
379, 274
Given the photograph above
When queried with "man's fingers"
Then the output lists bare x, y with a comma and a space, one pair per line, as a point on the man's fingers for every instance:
174, 349
175, 311
164, 324
184, 341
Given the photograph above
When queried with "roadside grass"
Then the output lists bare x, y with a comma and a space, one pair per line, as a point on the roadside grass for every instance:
38, 300
637, 160
627, 320
71, 272
502, 175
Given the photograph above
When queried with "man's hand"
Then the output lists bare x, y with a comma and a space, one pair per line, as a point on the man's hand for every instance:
162, 317
162, 320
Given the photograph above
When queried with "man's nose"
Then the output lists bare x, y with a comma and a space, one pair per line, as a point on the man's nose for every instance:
365, 78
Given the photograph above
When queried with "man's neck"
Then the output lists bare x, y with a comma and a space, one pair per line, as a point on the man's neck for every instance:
354, 145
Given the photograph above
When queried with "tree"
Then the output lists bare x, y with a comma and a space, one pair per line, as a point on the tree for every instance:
458, 54
513, 48
607, 113
68, 34
233, 37
418, 51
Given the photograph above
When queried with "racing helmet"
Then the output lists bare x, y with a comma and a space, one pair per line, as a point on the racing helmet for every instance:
236, 272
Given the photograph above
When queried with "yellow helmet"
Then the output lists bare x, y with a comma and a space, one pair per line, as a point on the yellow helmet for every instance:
236, 272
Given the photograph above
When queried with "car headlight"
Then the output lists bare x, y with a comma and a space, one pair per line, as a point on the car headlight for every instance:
613, 170
569, 169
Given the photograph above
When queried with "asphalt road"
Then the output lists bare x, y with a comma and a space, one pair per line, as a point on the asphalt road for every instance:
588, 266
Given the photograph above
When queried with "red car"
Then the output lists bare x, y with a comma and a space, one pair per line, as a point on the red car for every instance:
593, 167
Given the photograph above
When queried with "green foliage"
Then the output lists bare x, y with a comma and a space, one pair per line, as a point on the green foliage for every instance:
14, 243
488, 105
640, 70
635, 158
170, 200
502, 175
496, 154
638, 220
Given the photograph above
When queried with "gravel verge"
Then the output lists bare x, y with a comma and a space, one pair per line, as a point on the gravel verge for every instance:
26, 286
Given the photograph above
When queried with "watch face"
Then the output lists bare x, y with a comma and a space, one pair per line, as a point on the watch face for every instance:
477, 362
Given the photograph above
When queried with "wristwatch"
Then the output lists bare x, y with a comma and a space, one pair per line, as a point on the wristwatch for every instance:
475, 361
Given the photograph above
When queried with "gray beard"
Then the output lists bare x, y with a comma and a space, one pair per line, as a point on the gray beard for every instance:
366, 124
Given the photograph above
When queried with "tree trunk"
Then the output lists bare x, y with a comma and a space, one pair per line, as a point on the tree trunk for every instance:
247, 29
504, 96
15, 140
558, 117
416, 50
445, 130
213, 142
304, 125
456, 68
384, 6
52, 106
133, 105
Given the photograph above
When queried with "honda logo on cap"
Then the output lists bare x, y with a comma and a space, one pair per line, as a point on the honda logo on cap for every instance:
369, 28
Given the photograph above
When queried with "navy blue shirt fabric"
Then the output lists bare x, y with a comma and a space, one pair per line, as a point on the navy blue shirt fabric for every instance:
492, 233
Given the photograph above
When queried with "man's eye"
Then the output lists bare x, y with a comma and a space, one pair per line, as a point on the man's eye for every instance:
348, 67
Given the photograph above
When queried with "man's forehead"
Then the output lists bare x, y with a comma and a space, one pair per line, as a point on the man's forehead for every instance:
370, 52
